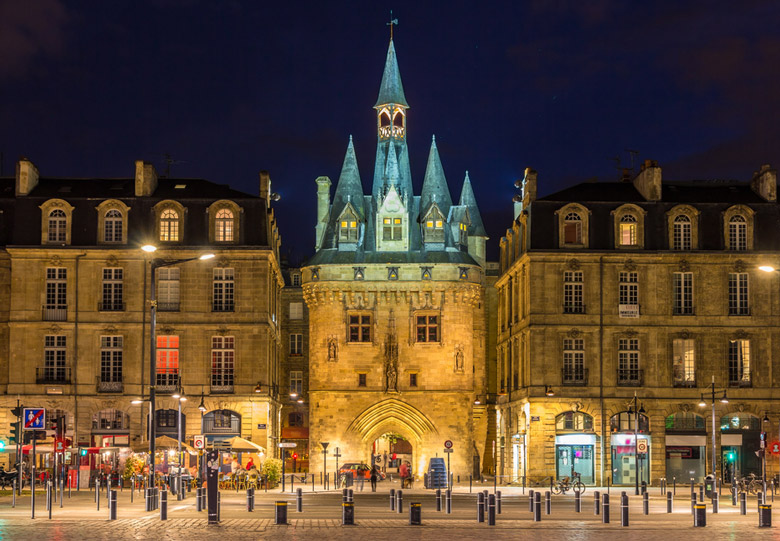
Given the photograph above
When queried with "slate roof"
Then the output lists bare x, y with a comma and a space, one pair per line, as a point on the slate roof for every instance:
468, 200
391, 90
434, 188
671, 191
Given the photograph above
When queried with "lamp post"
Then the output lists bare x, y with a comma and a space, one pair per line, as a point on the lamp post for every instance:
637, 410
179, 395
724, 400
156, 264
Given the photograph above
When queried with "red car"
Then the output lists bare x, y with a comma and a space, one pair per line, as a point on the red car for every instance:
360, 469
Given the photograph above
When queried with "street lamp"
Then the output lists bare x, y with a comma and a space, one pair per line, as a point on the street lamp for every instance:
179, 395
156, 264
723, 400
637, 410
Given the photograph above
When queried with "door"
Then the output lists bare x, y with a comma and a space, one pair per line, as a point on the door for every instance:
729, 462
574, 458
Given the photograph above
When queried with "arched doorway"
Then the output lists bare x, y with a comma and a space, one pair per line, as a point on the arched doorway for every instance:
686, 446
575, 442
740, 438
390, 450
627, 462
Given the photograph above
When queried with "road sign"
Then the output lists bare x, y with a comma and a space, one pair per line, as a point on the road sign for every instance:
199, 441
34, 419
290, 444
448, 444
641, 446
775, 447
448, 450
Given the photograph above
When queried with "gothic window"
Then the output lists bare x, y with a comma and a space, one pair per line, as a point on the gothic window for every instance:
58, 224
224, 226
392, 228
398, 119
169, 226
384, 118
463, 234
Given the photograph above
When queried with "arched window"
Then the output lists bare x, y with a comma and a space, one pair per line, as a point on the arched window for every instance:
685, 421
223, 224
738, 233
398, 119
740, 421
113, 226
58, 224
574, 421
348, 228
682, 233
628, 230
222, 422
169, 226
295, 419
625, 422
572, 228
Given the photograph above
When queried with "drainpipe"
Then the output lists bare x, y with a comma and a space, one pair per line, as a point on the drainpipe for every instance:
601, 363
76, 357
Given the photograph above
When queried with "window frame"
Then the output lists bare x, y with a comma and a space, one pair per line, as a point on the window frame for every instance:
111, 358
296, 382
738, 238
564, 215
168, 360
683, 362
683, 294
425, 329
739, 363
361, 329
573, 360
692, 214
112, 290
739, 294
632, 216
223, 289
223, 361
296, 344
573, 292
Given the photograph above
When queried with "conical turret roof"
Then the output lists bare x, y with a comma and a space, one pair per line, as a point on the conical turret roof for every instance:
468, 200
349, 188
391, 90
434, 188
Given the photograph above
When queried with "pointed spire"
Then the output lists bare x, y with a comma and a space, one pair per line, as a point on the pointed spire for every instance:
391, 90
349, 188
434, 188
468, 200
391, 168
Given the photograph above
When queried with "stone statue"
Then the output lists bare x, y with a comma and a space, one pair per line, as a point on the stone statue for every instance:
392, 378
459, 359
333, 349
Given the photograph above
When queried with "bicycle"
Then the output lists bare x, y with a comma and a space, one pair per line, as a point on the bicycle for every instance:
567, 483
751, 484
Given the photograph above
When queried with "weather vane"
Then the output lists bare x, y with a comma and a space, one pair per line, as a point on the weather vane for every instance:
391, 23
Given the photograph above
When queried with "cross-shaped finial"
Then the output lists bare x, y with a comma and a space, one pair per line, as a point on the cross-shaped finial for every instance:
391, 23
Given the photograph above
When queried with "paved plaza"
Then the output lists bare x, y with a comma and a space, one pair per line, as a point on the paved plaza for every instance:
321, 518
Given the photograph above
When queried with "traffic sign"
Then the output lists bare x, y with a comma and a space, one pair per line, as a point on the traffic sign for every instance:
448, 451
199, 441
288, 444
641, 446
448, 444
34, 419
775, 447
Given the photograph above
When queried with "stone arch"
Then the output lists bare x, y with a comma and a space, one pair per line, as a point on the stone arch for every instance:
391, 415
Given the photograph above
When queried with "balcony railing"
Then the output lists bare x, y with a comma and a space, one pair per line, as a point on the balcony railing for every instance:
734, 382
109, 386
222, 307
573, 308
52, 374
630, 377
111, 306
167, 383
52, 313
168, 306
224, 388
574, 376
689, 383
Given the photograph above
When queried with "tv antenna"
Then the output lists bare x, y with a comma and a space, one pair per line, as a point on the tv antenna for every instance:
633, 154
170, 160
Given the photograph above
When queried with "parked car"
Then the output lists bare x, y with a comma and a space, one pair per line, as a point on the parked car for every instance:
359, 470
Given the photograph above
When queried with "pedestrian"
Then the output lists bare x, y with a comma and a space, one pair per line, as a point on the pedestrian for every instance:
374, 476
403, 472
384, 464
250, 464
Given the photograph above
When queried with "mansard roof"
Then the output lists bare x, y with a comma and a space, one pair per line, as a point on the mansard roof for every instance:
435, 189
391, 90
468, 200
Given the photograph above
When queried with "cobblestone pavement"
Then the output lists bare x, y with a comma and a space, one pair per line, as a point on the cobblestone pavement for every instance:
321, 519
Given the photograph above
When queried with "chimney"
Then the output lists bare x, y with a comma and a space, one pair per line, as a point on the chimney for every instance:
323, 209
265, 185
529, 192
145, 178
764, 183
648, 181
626, 175
26, 176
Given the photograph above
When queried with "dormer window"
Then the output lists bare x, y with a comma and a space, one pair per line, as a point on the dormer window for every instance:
573, 222
223, 224
572, 228
682, 233
433, 228
58, 225
348, 229
628, 226
737, 233
392, 228
169, 226
738, 228
463, 231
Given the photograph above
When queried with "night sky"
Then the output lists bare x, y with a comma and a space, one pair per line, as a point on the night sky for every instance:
230, 88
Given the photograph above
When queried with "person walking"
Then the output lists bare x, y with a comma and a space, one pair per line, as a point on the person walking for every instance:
374, 476
384, 464
403, 472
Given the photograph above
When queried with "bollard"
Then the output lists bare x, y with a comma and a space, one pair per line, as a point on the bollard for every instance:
449, 501
13, 498
112, 497
624, 509
498, 502
219, 508
415, 514
481, 507
537, 506
344, 495
669, 502
700, 515
392, 499
298, 499
759, 498
249, 500
350, 495
531, 500
605, 508
347, 514
281, 512
734, 495
164, 505
62, 491
51, 496
438, 499
198, 501
547, 503
701, 492
399, 501
148, 499
765, 516
743, 503
644, 487
693, 501
646, 503
97, 497
596, 503
492, 510
48, 493
577, 503
715, 502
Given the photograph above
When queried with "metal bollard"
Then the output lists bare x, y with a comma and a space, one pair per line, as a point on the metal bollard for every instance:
701, 492
765, 516
492, 510
51, 496
605, 508
577, 502
700, 515
147, 499
13, 496
734, 495
392, 499
498, 502
715, 502
537, 506
344, 495
743, 503
669, 502
596, 503
48, 493
97, 497
399, 501
249, 500
347, 514
547, 503
164, 506
350, 495
298, 499
219, 508
646, 503
693, 501
480, 507
281, 512
112, 497
438, 499
624, 509
759, 499
449, 501
415, 514
531, 500
198, 502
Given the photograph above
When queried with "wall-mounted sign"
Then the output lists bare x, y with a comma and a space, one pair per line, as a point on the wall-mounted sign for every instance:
535, 418
261, 426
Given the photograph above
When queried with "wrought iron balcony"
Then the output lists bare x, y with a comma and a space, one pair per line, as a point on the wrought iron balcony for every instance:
109, 386
681, 382
574, 376
111, 306
167, 383
743, 382
54, 313
52, 374
573, 308
630, 377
